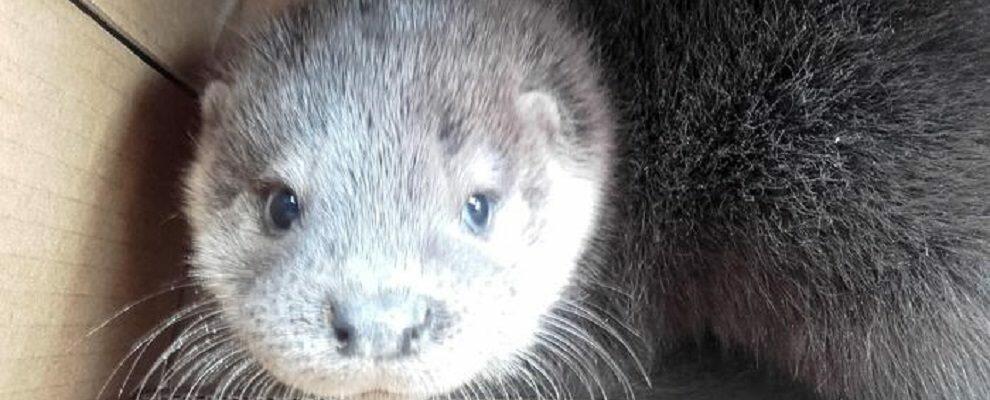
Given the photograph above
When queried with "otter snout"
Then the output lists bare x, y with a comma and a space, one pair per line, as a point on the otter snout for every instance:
383, 327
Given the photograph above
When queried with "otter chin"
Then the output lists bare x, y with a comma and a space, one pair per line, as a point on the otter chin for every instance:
373, 214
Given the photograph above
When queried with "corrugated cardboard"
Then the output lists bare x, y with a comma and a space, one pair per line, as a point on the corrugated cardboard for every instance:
178, 34
92, 140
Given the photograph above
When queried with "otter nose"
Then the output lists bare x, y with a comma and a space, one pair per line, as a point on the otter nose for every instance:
380, 328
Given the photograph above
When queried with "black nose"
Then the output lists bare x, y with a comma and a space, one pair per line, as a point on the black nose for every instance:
379, 328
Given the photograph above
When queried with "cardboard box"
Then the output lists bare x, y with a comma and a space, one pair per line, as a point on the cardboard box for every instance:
97, 107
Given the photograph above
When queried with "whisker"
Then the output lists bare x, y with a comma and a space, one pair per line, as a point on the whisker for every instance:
570, 328
209, 369
141, 344
235, 375
130, 306
191, 360
533, 362
272, 385
597, 321
202, 319
249, 383
530, 380
568, 354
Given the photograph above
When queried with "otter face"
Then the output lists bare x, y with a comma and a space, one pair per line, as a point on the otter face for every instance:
364, 231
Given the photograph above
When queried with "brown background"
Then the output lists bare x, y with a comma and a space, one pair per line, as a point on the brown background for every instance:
96, 113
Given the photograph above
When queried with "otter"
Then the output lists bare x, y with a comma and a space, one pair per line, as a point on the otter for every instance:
638, 199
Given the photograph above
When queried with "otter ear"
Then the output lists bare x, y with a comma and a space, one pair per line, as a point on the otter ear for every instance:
539, 111
214, 95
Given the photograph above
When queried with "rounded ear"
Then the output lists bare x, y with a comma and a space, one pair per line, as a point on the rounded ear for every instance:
214, 94
539, 111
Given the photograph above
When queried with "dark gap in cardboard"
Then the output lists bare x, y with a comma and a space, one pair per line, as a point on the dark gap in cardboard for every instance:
132, 45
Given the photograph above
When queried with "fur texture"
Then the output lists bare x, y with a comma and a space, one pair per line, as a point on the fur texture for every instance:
797, 198
808, 181
384, 122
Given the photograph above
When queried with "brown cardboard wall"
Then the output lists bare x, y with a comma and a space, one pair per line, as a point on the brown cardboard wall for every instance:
176, 33
92, 141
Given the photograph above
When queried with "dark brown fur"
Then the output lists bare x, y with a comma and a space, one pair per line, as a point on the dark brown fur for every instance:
808, 181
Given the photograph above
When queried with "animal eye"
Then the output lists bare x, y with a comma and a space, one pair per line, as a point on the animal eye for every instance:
283, 208
477, 213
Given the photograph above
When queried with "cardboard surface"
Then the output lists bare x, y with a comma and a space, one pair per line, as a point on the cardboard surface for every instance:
91, 143
176, 33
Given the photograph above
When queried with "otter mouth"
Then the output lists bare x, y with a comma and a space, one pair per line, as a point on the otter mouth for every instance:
367, 392
383, 394
377, 394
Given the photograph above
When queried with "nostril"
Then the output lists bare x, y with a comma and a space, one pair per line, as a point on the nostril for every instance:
381, 328
428, 316
343, 330
412, 335
342, 333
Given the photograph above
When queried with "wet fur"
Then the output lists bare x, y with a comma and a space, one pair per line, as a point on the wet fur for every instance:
799, 200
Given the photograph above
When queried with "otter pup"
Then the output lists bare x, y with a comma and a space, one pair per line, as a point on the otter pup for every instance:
515, 199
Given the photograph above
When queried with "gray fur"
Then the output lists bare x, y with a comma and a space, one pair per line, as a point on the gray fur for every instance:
384, 122
796, 194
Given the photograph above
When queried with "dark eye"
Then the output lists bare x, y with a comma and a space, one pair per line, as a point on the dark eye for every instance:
283, 208
477, 213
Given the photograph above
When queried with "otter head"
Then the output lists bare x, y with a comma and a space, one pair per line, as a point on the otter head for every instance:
381, 203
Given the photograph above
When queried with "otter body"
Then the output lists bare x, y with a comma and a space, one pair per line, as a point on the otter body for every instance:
635, 199
808, 181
